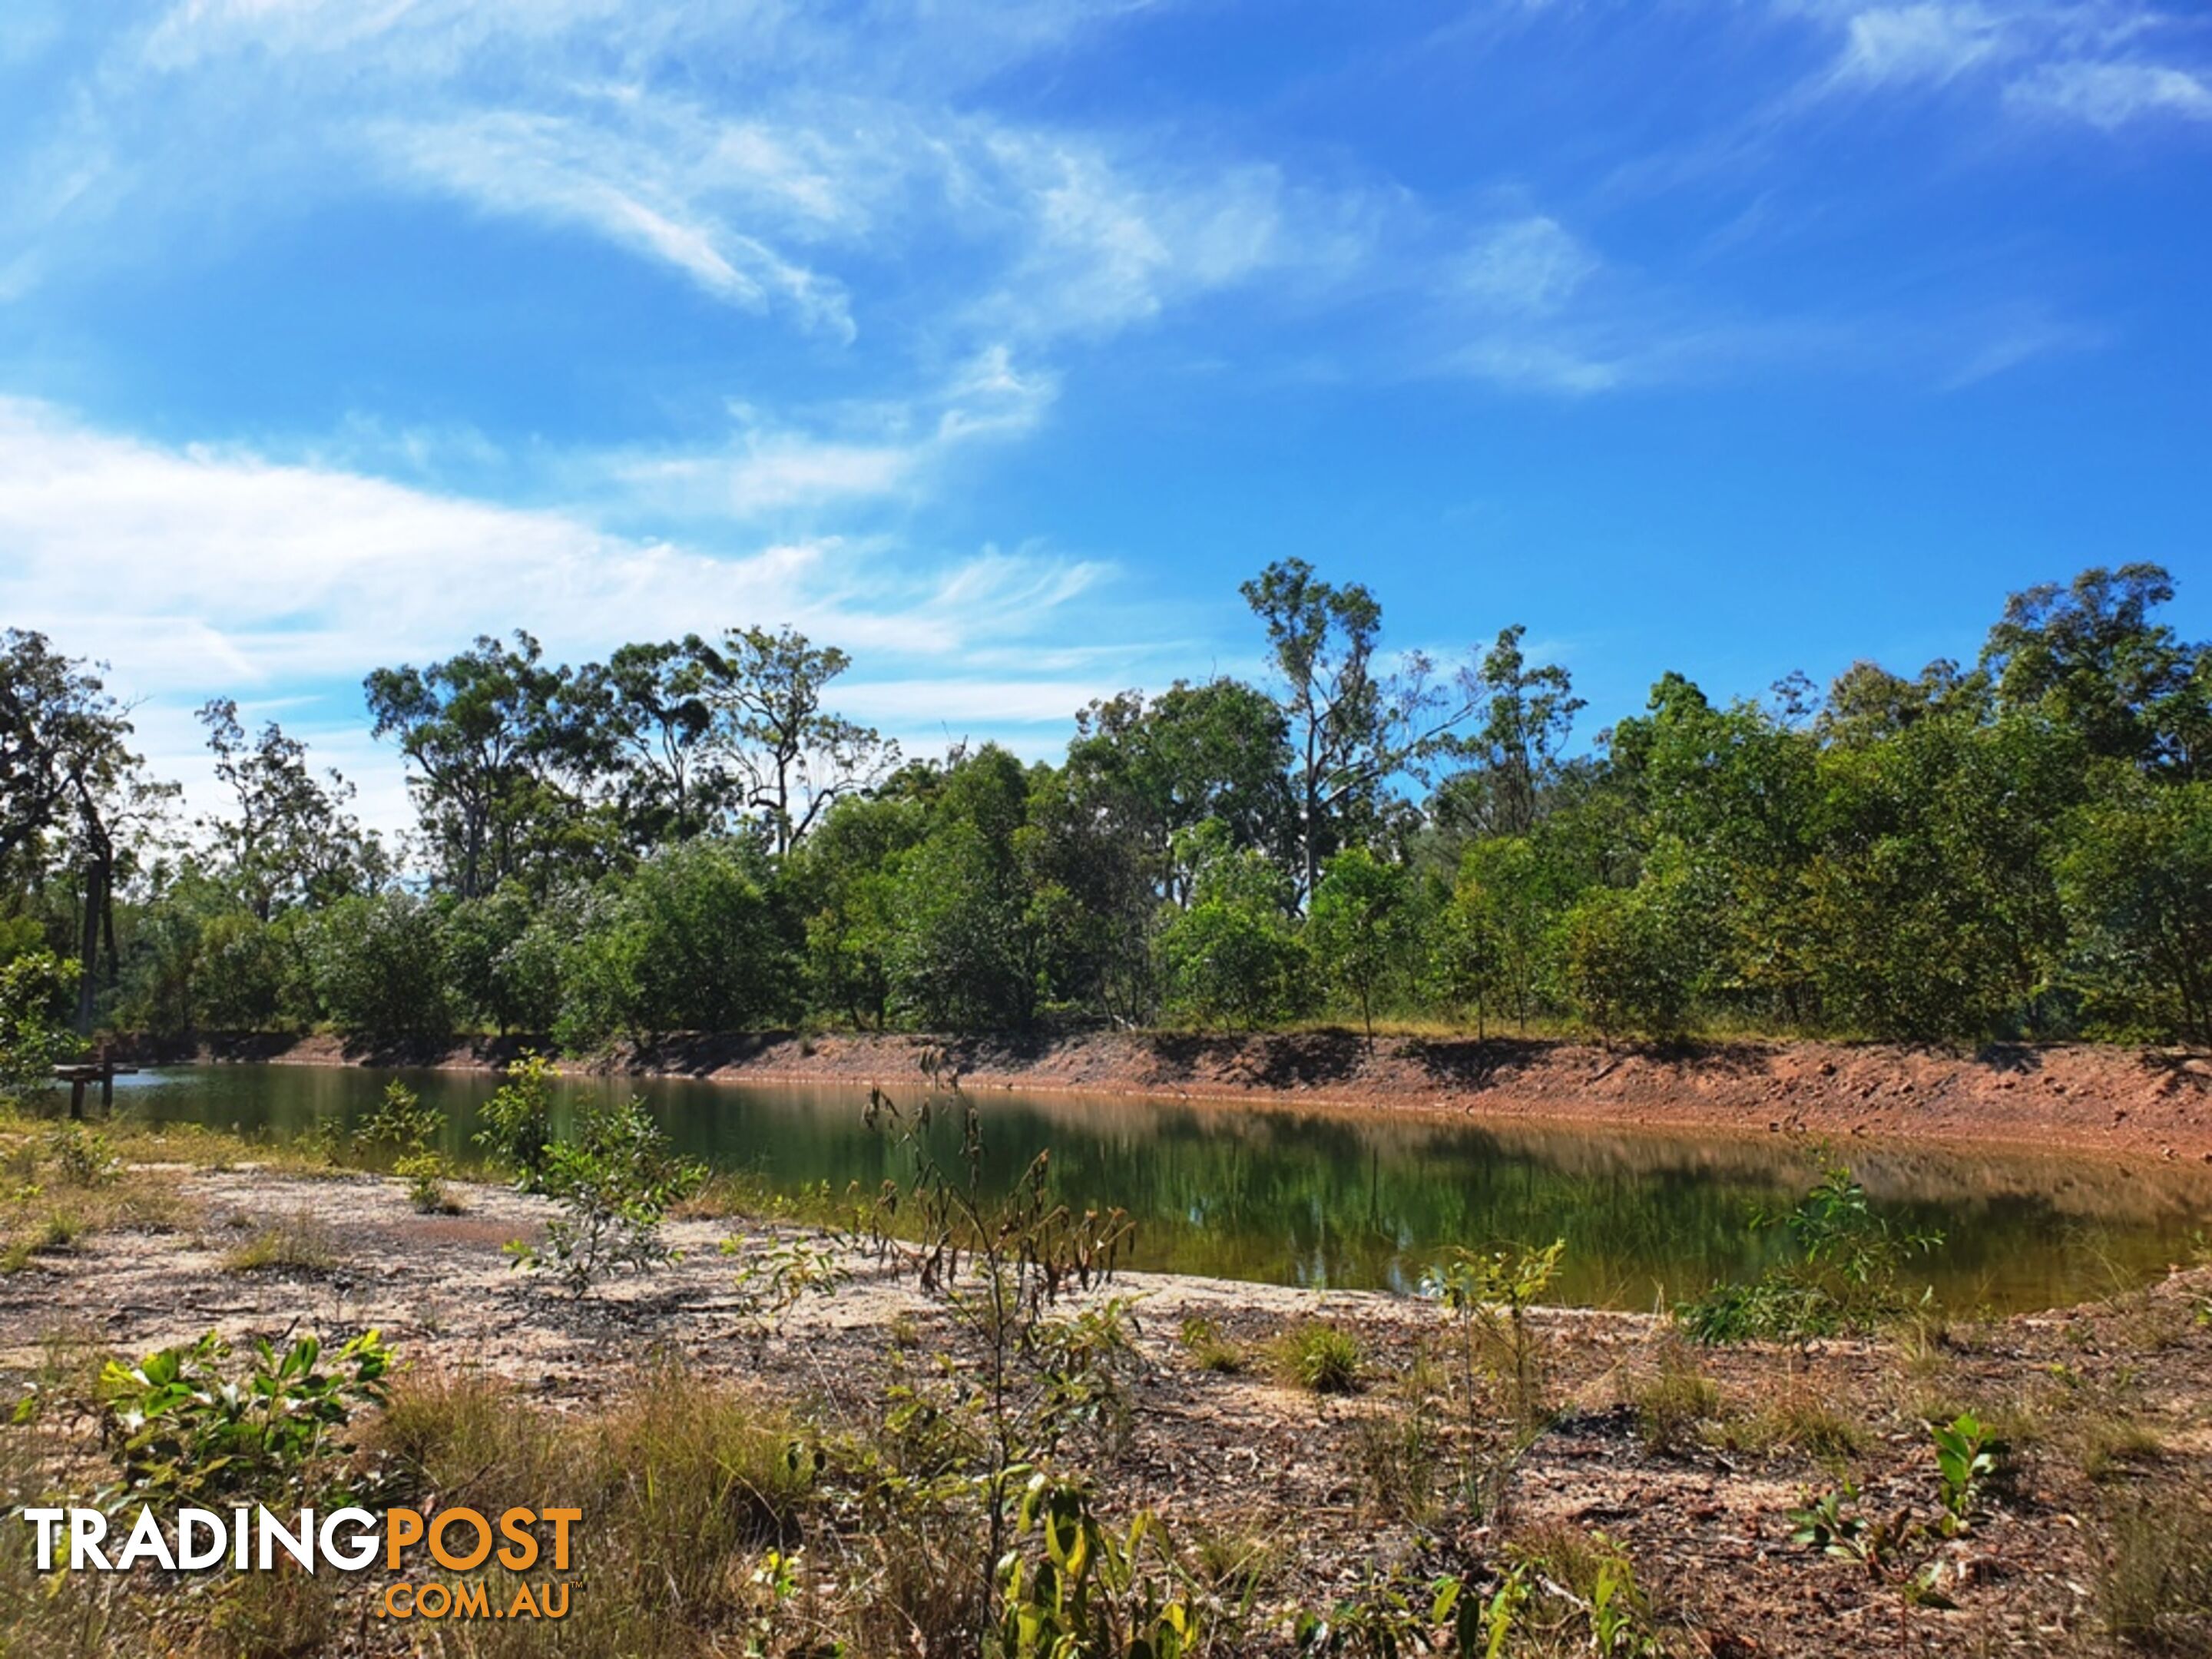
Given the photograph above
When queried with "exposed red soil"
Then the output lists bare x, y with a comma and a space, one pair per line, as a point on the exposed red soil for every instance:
2133, 1102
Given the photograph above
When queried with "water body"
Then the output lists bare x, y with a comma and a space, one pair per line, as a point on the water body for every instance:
1281, 1196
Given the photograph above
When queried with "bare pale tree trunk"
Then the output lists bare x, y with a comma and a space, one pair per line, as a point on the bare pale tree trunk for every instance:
95, 891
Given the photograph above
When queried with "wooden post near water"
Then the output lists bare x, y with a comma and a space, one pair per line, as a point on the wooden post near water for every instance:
104, 1072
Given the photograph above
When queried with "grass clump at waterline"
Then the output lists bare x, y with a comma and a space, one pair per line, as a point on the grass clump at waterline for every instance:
1318, 1356
1209, 1349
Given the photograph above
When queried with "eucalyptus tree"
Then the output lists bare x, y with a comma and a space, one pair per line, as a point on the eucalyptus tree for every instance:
73, 795
1353, 727
1866, 704
2135, 878
963, 954
1364, 926
1148, 770
506, 754
845, 882
1528, 714
1930, 907
659, 706
2093, 657
791, 757
287, 841
1231, 956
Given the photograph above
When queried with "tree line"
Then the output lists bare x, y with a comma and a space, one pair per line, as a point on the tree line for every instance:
688, 837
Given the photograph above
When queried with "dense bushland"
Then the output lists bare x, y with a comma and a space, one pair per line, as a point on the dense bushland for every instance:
685, 838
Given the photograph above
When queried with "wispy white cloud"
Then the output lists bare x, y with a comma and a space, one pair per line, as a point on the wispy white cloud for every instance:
2103, 63
579, 175
894, 448
1527, 306
1918, 43
2008, 341
143, 544
1107, 244
1530, 264
2111, 95
132, 551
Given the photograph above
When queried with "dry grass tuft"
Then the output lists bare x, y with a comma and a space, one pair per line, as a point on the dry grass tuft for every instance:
297, 1243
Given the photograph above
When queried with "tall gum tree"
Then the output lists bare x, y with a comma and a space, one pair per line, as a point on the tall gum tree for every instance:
1353, 727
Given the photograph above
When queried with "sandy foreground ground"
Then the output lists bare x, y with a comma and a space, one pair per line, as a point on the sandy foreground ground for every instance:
1704, 1518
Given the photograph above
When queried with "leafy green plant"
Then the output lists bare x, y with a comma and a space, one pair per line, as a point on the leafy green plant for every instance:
1845, 1277
1074, 1588
1487, 1297
324, 1144
997, 1262
517, 1121
777, 1280
1393, 1615
33, 1040
401, 1120
1620, 1618
1825, 1524
425, 1173
1572, 1591
1833, 1524
185, 1431
1966, 1458
82, 1156
1500, 1612
1087, 1364
614, 1182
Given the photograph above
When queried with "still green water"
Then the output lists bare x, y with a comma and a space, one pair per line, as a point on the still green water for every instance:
1288, 1197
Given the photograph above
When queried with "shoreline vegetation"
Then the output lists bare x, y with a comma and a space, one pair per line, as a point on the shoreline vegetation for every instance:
793, 1435
2103, 1099
686, 837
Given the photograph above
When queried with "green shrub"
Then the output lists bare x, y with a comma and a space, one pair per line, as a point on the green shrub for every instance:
1230, 957
33, 1037
1627, 962
614, 1182
403, 1120
517, 1132
379, 969
81, 1157
687, 941
1846, 1276
1073, 1584
1487, 1297
184, 1431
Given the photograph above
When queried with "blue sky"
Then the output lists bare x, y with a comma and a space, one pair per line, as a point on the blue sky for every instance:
998, 342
